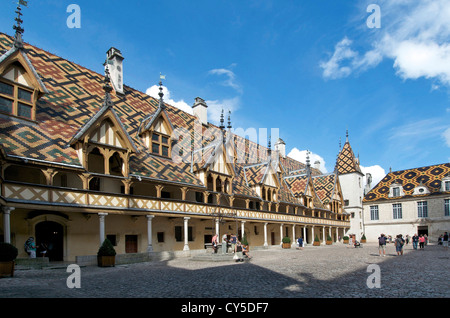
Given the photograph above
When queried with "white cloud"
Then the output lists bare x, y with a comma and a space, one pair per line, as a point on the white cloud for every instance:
414, 34
181, 104
377, 173
300, 155
446, 135
231, 78
215, 108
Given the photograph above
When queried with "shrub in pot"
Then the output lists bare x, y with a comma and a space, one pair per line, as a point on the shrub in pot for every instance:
345, 238
316, 241
329, 240
286, 242
363, 238
106, 255
8, 254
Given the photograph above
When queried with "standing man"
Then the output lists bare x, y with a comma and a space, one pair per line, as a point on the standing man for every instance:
382, 245
224, 243
415, 241
445, 240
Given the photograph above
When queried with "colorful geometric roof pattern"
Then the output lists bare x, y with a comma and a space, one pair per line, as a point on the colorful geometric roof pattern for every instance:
325, 186
346, 161
430, 176
75, 98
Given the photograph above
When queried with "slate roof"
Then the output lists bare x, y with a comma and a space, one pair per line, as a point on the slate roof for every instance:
346, 161
430, 176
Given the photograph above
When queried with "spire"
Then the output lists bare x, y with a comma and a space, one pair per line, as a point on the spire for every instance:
107, 87
161, 94
346, 135
18, 43
269, 146
308, 165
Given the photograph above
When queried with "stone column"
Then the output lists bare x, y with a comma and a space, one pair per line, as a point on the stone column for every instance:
101, 217
265, 235
242, 229
7, 223
304, 235
323, 236
294, 241
281, 233
186, 234
217, 229
149, 233
313, 234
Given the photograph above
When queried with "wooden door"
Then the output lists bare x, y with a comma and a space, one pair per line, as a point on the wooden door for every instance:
131, 244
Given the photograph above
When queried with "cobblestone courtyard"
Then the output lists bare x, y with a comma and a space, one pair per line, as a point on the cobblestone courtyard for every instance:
337, 271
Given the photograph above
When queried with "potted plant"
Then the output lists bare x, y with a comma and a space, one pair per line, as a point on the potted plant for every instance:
345, 238
329, 240
286, 242
106, 255
8, 254
316, 241
363, 238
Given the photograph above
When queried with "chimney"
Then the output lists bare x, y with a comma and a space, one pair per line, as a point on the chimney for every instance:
280, 146
201, 110
115, 65
317, 164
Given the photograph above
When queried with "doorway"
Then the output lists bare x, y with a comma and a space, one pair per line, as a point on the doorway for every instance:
50, 238
131, 243
422, 230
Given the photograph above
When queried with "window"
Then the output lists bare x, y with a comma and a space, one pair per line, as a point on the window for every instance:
422, 209
396, 192
447, 207
374, 212
397, 210
179, 233
16, 99
447, 186
160, 144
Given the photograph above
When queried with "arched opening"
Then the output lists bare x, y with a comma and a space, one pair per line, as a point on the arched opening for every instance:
50, 237
24, 174
96, 162
116, 165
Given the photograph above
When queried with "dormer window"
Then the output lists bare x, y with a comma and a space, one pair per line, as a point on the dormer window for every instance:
160, 144
445, 187
396, 190
16, 98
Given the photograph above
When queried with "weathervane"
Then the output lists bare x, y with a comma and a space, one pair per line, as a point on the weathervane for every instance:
18, 43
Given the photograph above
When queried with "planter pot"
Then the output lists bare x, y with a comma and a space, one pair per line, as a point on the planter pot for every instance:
286, 245
316, 243
363, 241
329, 242
345, 241
106, 261
7, 268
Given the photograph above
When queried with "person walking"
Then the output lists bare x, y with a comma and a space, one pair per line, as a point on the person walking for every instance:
382, 245
415, 241
233, 242
421, 241
214, 243
399, 242
445, 240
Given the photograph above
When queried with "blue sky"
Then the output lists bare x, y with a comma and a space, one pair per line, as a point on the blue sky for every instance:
311, 69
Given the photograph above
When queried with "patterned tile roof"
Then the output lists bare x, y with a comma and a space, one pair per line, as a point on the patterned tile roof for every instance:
325, 186
75, 96
430, 176
346, 161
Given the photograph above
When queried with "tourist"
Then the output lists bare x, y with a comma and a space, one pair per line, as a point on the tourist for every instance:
399, 242
224, 243
214, 243
382, 245
415, 241
445, 240
30, 247
300, 243
233, 242
421, 241
238, 257
245, 251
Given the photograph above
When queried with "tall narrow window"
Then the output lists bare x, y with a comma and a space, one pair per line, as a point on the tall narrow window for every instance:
447, 186
447, 207
422, 209
374, 212
397, 210
396, 192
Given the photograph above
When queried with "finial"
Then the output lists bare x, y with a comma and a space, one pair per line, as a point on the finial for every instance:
107, 87
346, 135
222, 125
307, 159
340, 146
18, 43
161, 94
269, 145
229, 120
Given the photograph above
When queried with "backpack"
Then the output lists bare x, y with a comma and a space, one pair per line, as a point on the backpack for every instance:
382, 240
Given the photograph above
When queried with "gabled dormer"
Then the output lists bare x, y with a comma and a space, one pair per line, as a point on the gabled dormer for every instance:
156, 131
102, 143
20, 85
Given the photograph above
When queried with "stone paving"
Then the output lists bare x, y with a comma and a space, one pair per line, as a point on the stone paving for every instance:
337, 271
